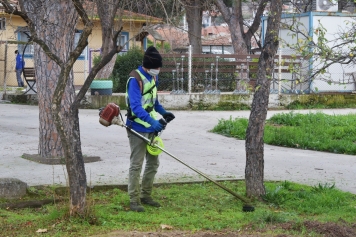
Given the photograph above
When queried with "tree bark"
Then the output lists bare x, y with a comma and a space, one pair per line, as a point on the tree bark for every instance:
59, 122
194, 14
107, 22
241, 40
48, 71
254, 172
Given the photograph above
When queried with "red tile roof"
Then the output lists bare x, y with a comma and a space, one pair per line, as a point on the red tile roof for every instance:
212, 35
174, 36
219, 35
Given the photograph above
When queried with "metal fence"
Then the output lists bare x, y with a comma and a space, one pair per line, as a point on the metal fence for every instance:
7, 64
216, 73
213, 73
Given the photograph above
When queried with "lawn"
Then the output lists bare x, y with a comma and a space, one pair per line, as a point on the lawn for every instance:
203, 209
194, 208
313, 131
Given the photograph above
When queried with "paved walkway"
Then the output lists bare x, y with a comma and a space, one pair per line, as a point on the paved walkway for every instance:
187, 137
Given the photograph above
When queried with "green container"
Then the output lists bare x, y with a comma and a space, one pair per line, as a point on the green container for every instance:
101, 87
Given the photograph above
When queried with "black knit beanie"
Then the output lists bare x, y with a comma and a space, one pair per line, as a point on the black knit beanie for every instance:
152, 59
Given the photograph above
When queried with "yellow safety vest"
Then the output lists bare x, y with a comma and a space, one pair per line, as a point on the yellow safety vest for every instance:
149, 95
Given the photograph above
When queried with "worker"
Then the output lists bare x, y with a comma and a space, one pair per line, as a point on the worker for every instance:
19, 68
143, 106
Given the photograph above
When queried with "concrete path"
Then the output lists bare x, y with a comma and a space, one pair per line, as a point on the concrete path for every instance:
187, 137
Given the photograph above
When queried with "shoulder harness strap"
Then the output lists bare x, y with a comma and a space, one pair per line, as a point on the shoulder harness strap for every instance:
135, 74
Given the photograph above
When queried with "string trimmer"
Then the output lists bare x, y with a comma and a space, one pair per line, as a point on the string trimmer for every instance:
111, 115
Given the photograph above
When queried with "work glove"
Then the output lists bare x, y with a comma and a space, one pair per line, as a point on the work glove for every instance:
159, 125
168, 116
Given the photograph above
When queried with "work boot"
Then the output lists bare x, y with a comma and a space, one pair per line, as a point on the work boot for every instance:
135, 206
150, 201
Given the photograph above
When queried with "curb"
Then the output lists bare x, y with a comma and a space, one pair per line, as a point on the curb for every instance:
56, 161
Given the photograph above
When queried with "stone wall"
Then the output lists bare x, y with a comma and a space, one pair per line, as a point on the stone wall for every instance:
200, 101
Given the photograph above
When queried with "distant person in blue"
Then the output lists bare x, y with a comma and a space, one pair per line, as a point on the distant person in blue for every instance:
19, 68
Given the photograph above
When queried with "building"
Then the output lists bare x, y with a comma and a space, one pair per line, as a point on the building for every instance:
213, 38
14, 35
337, 77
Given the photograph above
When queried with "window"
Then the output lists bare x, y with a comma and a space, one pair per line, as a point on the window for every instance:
23, 36
124, 37
2, 24
76, 40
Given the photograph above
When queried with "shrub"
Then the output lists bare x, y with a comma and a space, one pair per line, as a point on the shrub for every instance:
96, 59
123, 66
166, 46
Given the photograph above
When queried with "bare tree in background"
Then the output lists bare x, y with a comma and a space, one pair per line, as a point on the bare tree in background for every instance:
52, 26
254, 171
108, 34
194, 14
241, 40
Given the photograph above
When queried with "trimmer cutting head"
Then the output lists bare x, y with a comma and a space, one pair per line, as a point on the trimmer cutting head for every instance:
248, 208
153, 149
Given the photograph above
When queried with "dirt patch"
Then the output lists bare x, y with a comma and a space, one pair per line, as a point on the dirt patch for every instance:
331, 229
341, 229
324, 229
56, 161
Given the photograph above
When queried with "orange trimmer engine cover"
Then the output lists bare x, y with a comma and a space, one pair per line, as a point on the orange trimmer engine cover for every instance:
108, 113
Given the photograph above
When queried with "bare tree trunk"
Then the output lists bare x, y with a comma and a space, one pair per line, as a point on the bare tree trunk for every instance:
59, 123
75, 163
106, 71
194, 14
254, 172
106, 21
241, 40
47, 71
237, 29
247, 36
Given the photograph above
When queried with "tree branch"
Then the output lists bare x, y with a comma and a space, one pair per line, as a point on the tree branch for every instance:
223, 9
34, 37
106, 58
257, 20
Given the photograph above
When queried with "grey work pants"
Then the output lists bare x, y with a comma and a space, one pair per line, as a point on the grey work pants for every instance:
138, 154
18, 77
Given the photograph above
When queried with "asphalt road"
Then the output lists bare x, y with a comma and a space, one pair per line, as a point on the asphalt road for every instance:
187, 137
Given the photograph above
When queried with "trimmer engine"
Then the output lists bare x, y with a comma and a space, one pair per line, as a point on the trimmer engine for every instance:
107, 114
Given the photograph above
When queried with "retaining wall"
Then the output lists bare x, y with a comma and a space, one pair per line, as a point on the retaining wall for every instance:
200, 101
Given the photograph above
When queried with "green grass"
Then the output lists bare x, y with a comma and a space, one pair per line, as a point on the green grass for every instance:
313, 131
313, 104
190, 207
